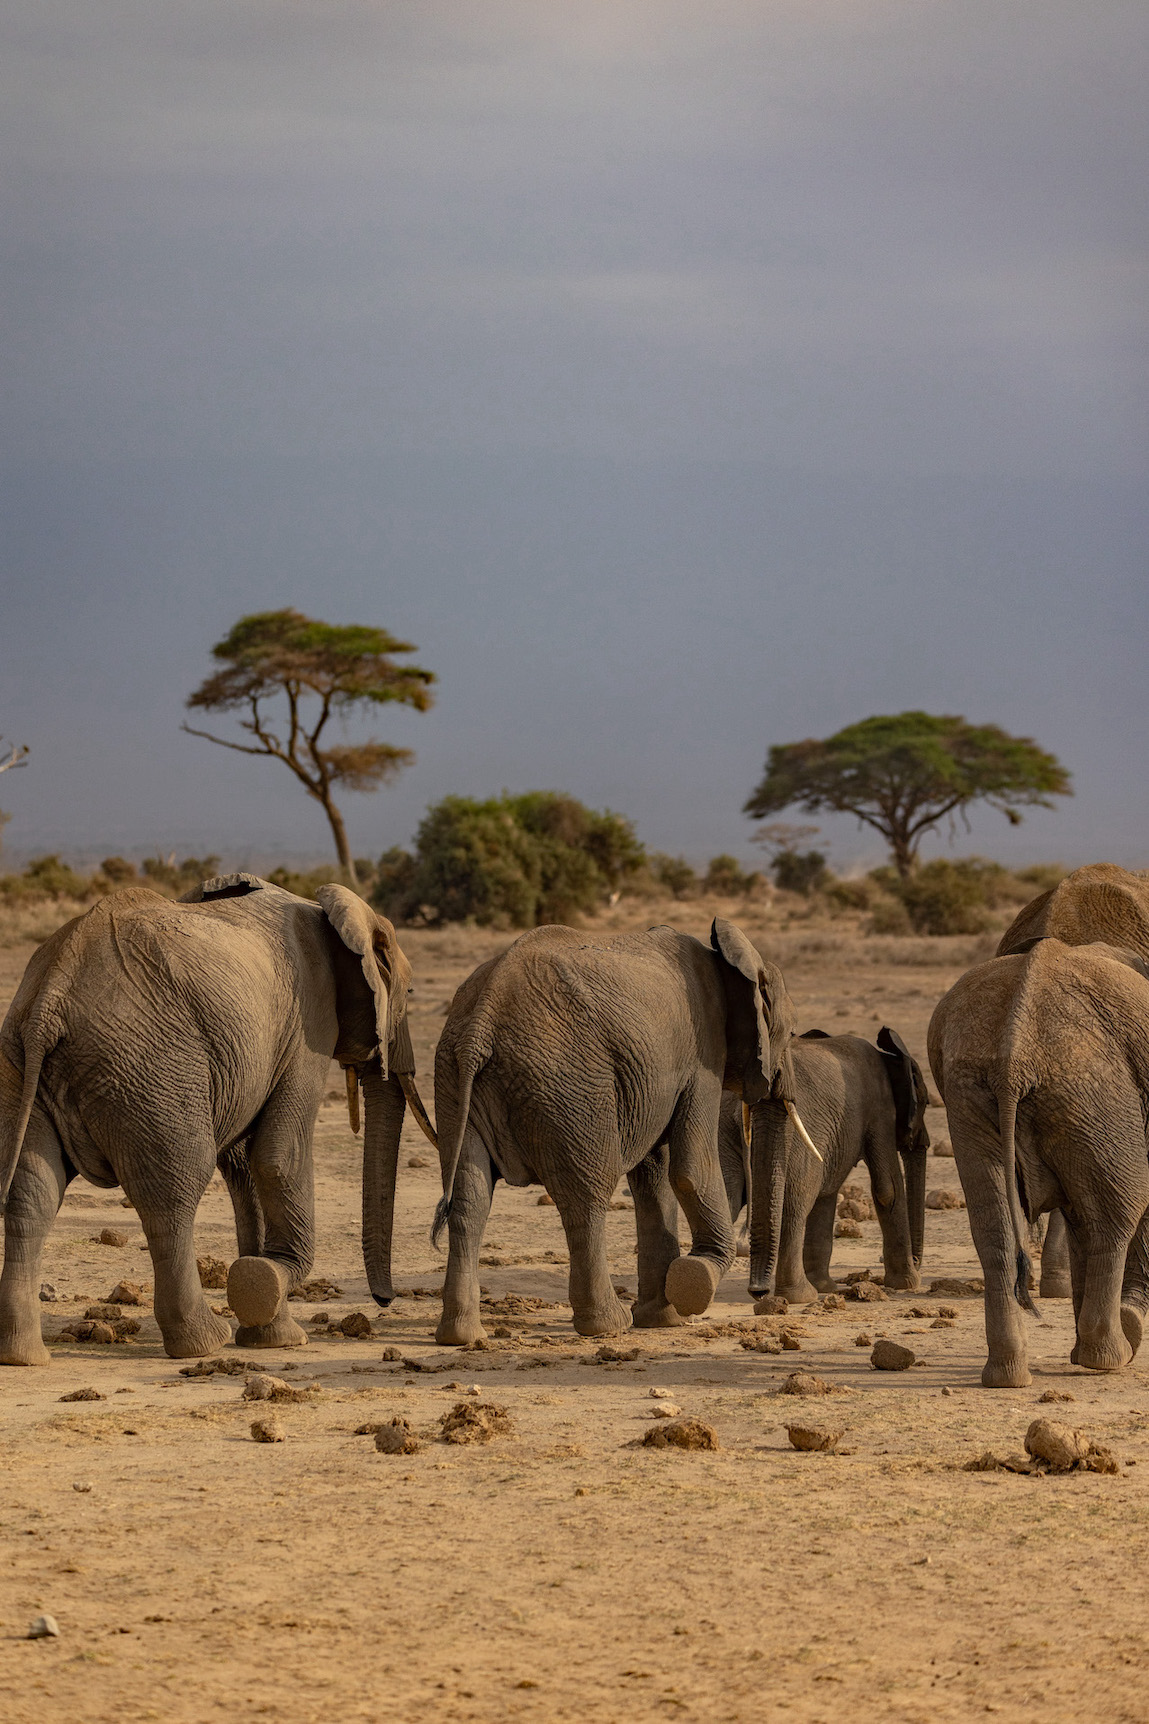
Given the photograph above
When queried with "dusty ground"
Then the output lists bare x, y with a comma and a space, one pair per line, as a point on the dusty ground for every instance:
563, 1572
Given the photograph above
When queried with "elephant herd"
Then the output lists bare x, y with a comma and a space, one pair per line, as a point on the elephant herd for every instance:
151, 1042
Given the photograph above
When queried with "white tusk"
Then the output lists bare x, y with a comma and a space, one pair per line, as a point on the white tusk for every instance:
352, 1077
801, 1129
416, 1105
746, 1125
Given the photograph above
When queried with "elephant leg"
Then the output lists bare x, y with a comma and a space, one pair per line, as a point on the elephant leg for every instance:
696, 1177
818, 1244
734, 1160
897, 1249
36, 1194
982, 1174
597, 1308
1135, 1285
1056, 1282
282, 1172
471, 1196
236, 1171
1101, 1341
656, 1221
187, 1323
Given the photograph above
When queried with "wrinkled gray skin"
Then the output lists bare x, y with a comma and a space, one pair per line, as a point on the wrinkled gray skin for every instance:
150, 1040
858, 1104
1098, 903
573, 1061
1042, 1059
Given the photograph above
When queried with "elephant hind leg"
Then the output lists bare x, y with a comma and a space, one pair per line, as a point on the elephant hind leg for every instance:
696, 1178
656, 1222
474, 1187
35, 1196
596, 1306
282, 1195
189, 1327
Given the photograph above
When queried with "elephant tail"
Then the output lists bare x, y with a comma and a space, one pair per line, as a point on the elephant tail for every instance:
36, 1050
470, 1062
1007, 1124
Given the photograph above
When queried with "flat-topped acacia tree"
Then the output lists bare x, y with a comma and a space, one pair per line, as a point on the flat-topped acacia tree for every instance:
903, 773
286, 660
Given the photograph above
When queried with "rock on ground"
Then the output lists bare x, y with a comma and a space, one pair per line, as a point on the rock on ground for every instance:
890, 1356
268, 1430
813, 1439
682, 1434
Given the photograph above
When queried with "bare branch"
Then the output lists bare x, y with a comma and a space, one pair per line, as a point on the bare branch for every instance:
240, 747
17, 756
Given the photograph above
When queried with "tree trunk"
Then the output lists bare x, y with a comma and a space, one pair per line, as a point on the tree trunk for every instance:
902, 851
339, 833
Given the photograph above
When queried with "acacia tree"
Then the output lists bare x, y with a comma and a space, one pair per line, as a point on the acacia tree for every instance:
283, 656
903, 773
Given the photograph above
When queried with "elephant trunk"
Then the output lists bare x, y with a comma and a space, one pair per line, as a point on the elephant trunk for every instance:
914, 1163
386, 1105
768, 1164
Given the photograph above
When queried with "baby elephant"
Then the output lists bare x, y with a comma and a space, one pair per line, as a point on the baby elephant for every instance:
856, 1103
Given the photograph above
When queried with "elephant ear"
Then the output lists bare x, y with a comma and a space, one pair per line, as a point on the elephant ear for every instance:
223, 886
815, 1036
900, 1072
744, 975
370, 938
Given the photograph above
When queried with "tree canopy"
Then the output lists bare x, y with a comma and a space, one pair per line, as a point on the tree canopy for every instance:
285, 656
903, 773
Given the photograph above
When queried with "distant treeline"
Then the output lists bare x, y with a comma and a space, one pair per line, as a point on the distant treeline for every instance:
519, 861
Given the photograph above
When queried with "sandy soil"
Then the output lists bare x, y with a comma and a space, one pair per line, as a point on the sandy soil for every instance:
563, 1572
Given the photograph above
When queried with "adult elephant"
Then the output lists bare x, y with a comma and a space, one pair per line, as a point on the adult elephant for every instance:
1042, 1059
1100, 902
150, 1040
572, 1061
858, 1102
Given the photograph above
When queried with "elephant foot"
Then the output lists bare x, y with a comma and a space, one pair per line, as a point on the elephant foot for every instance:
1055, 1286
255, 1289
656, 1314
691, 1283
283, 1332
612, 1319
797, 1292
201, 1334
1005, 1374
459, 1330
18, 1348
1102, 1355
903, 1281
1132, 1325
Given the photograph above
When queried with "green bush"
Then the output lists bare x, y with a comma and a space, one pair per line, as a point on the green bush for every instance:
803, 874
674, 874
513, 861
118, 872
851, 894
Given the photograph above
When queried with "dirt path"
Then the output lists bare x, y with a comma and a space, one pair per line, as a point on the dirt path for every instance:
564, 1572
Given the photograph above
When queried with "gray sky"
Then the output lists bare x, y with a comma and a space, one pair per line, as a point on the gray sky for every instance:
682, 378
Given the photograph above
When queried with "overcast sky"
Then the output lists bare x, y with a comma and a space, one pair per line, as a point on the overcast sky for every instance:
681, 377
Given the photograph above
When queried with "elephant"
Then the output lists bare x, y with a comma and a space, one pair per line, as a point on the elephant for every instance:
570, 1061
1042, 1059
150, 1041
858, 1102
1098, 902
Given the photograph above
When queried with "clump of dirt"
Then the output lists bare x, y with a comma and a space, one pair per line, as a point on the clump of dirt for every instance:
84, 1395
126, 1293
682, 1434
941, 1198
848, 1229
356, 1326
475, 1422
110, 1236
222, 1368
608, 1355
867, 1292
102, 1313
396, 1438
814, 1439
891, 1356
1049, 1448
519, 1305
958, 1289
763, 1342
854, 1205
771, 1305
318, 1288
212, 1271
261, 1386
268, 1430
417, 1161
1055, 1395
806, 1383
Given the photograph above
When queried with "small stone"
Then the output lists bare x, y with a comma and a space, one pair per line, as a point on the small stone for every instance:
126, 1293
863, 1340
943, 1149
941, 1198
321, 1317
771, 1305
947, 1390
109, 1236
889, 1356
356, 1326
682, 1434
84, 1395
48, 1294
848, 1230
665, 1410
661, 1394
212, 1272
82, 1485
268, 1430
545, 1201
814, 1439
868, 1292
44, 1628
396, 1438
417, 1161
805, 1383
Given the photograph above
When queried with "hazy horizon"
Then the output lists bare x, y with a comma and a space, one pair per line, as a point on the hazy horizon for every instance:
682, 379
